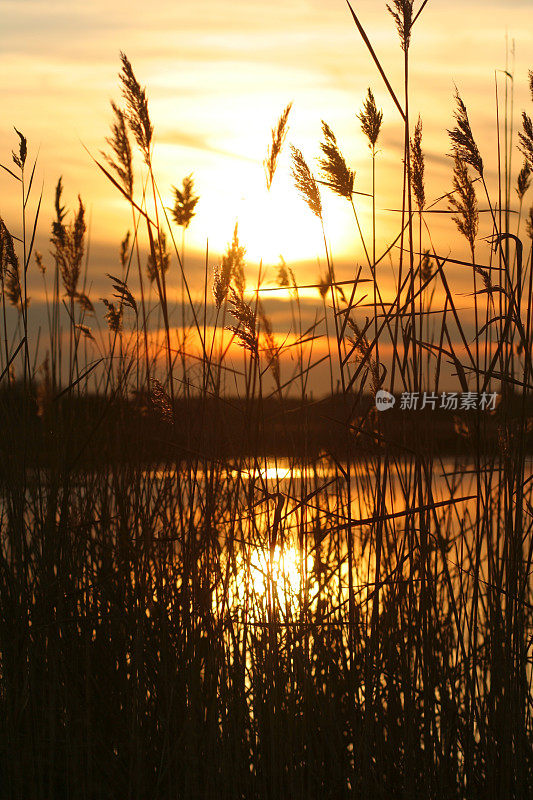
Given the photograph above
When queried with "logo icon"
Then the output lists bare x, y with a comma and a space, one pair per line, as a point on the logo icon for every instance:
384, 400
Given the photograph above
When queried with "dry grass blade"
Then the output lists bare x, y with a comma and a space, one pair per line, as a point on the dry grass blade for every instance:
376, 60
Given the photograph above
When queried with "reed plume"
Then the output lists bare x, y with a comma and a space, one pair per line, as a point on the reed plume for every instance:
160, 264
221, 284
270, 348
113, 316
426, 270
339, 178
305, 182
523, 181
136, 108
463, 144
324, 285
278, 138
464, 202
41, 266
44, 394
529, 223
9, 268
119, 142
245, 330
86, 331
233, 264
85, 302
124, 249
525, 137
20, 157
371, 119
417, 167
69, 244
122, 293
402, 13
363, 353
184, 202
282, 278
160, 401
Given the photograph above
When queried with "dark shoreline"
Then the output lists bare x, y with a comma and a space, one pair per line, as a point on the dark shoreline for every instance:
93, 431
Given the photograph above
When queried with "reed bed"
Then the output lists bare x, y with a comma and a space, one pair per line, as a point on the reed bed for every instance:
186, 616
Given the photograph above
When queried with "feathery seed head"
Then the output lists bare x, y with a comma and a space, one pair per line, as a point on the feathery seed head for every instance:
425, 267
417, 167
9, 268
278, 137
370, 119
233, 264
136, 108
113, 316
463, 144
124, 248
339, 177
162, 259
40, 263
529, 223
283, 273
69, 243
20, 158
305, 182
270, 348
121, 161
184, 202
245, 331
402, 13
523, 181
160, 401
464, 202
525, 137
85, 302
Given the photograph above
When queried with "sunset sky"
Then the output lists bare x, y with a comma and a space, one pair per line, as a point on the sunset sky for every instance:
218, 74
